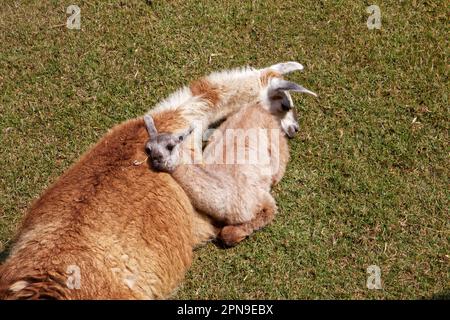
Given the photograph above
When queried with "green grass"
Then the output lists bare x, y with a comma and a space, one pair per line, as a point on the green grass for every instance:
365, 184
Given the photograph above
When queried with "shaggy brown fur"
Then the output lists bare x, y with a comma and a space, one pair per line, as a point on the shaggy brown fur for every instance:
170, 120
114, 221
206, 90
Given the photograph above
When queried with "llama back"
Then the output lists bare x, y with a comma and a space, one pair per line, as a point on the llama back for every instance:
216, 96
107, 229
236, 88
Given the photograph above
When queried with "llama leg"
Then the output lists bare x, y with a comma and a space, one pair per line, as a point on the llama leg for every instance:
211, 192
231, 235
203, 229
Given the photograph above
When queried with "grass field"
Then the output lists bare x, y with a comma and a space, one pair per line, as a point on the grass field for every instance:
368, 180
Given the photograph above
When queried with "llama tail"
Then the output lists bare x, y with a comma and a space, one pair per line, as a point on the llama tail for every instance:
47, 286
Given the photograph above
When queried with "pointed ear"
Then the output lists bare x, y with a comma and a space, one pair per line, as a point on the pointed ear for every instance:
183, 135
286, 67
276, 85
151, 129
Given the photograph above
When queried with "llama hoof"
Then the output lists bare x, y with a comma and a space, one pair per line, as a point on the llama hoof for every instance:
231, 235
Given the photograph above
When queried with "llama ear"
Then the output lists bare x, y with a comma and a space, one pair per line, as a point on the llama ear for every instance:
276, 85
183, 135
286, 67
150, 124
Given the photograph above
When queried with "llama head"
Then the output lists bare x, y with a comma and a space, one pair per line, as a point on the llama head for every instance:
163, 149
279, 102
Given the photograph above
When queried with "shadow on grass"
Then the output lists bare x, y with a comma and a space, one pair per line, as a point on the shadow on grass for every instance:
220, 244
444, 295
5, 253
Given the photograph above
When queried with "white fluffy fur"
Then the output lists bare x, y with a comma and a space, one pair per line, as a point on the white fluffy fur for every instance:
236, 87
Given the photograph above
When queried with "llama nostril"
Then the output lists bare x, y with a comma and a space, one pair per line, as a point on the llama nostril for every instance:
285, 107
170, 147
156, 157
